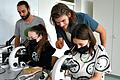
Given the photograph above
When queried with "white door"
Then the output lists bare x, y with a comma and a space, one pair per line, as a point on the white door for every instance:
116, 39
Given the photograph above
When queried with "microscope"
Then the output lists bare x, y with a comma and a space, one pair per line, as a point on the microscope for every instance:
14, 61
62, 64
5, 51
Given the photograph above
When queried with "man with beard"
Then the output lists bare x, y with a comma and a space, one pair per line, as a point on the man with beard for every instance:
27, 20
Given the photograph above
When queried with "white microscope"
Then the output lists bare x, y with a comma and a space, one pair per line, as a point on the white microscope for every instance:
5, 52
14, 62
58, 73
17, 65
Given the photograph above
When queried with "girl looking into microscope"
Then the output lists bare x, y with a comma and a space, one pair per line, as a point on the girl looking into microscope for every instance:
91, 59
40, 50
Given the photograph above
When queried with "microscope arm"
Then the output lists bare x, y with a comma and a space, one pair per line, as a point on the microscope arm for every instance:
4, 49
13, 60
56, 73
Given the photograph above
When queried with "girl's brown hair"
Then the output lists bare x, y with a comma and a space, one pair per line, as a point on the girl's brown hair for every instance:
40, 30
84, 32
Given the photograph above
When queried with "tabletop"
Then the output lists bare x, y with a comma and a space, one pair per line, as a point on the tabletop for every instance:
8, 74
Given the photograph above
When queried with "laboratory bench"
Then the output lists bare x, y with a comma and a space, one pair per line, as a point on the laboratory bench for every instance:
8, 74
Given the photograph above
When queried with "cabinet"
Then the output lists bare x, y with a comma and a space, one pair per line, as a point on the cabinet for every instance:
107, 12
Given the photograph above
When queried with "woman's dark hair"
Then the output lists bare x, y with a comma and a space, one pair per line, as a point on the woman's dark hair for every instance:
84, 32
40, 30
23, 3
59, 10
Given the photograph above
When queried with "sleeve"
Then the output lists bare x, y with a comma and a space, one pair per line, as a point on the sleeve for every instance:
39, 20
17, 29
103, 62
59, 32
50, 49
90, 22
42, 22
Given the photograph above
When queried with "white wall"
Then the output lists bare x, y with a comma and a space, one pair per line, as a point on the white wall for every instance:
107, 12
9, 16
103, 13
116, 38
44, 12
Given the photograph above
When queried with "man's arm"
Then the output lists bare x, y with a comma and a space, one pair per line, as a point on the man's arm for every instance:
60, 43
17, 41
100, 29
